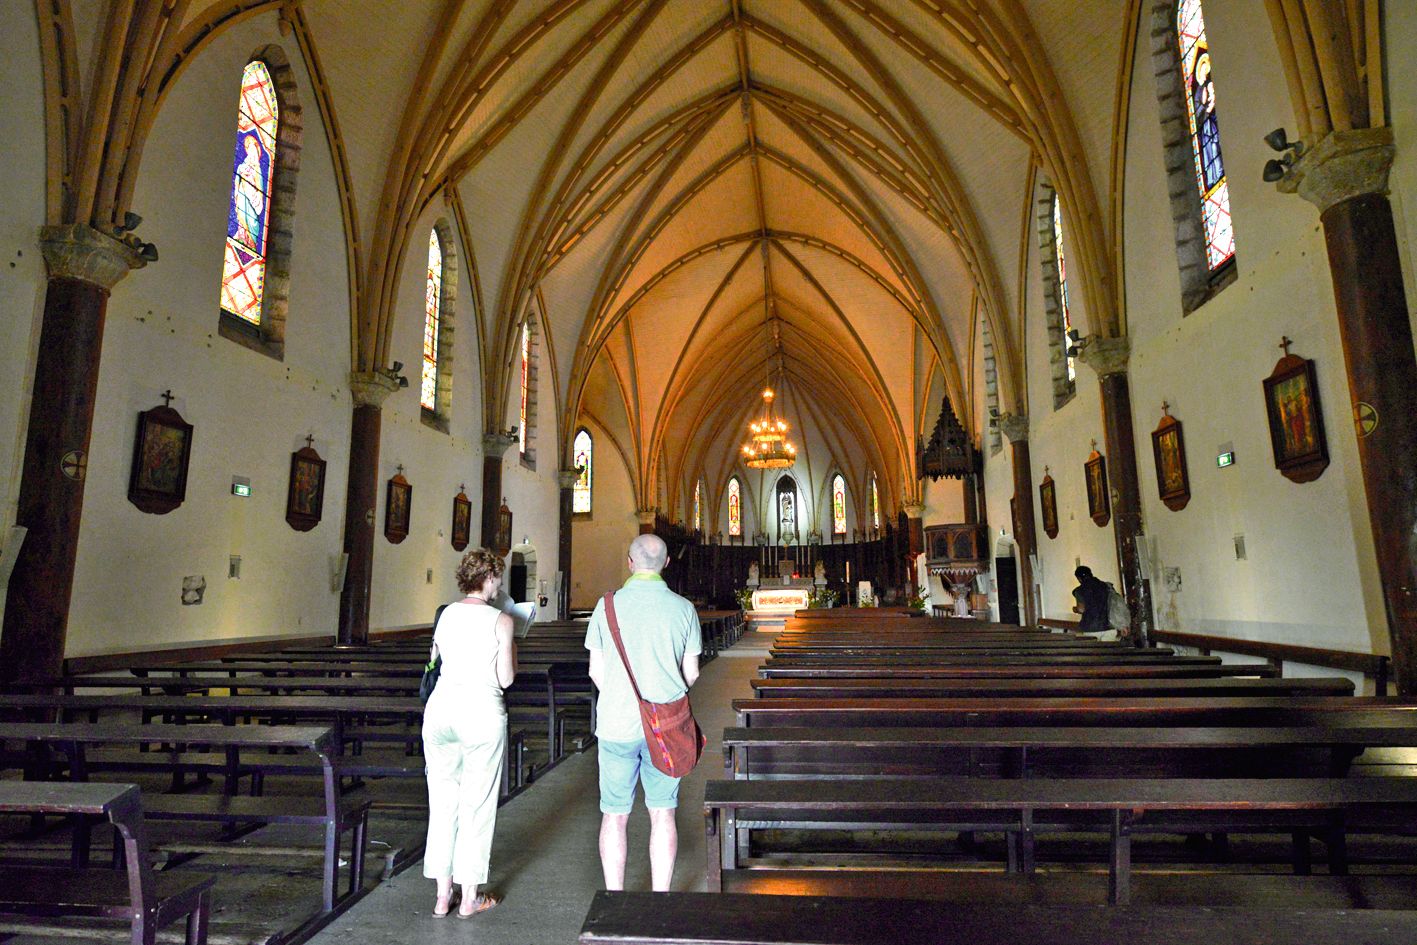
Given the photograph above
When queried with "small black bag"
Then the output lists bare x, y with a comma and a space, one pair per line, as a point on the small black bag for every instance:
430, 678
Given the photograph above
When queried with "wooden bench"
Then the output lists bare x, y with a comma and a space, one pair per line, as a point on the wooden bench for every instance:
1121, 807
332, 812
1038, 688
148, 901
1076, 670
620, 918
1025, 751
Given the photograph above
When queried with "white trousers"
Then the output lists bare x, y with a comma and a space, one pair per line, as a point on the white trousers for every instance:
464, 739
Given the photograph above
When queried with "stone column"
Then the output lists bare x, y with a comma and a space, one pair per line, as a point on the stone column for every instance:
369, 390
1015, 430
646, 517
1345, 175
1108, 357
567, 478
494, 445
84, 266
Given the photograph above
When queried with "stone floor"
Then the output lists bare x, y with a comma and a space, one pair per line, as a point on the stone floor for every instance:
544, 859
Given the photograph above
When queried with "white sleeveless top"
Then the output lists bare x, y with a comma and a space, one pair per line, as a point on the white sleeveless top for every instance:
467, 641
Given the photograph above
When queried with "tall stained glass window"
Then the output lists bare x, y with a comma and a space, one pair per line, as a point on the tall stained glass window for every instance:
698, 507
243, 276
1199, 85
875, 504
432, 303
735, 508
582, 455
526, 375
838, 505
1063, 285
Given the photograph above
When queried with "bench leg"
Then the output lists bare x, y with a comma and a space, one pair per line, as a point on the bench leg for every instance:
713, 874
728, 839
329, 885
197, 919
1337, 841
1025, 842
359, 841
1119, 880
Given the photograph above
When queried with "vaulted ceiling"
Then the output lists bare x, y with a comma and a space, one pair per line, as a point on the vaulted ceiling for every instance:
691, 193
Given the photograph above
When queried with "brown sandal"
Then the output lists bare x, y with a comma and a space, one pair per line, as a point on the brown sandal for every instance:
482, 902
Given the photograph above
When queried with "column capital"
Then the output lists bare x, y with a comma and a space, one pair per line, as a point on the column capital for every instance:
567, 477
1105, 355
78, 251
1014, 426
495, 444
913, 510
1340, 166
371, 388
646, 516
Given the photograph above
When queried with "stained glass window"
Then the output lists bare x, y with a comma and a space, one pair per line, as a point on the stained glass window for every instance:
432, 302
735, 508
1063, 285
1199, 85
838, 505
526, 373
581, 456
698, 507
243, 276
875, 504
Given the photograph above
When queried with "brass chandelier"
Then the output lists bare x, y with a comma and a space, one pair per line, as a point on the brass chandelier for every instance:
768, 446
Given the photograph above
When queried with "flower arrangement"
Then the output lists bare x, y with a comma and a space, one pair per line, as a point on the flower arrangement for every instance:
821, 599
917, 600
745, 599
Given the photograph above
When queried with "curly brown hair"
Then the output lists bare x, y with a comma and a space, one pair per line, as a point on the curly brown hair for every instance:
477, 566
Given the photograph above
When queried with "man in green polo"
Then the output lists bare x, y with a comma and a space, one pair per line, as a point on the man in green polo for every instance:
660, 631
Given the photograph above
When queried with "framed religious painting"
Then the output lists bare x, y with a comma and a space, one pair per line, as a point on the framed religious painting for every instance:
462, 521
1168, 448
502, 539
1099, 505
161, 452
1296, 422
1048, 504
397, 504
305, 497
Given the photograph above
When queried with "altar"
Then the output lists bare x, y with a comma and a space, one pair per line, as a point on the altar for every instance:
780, 600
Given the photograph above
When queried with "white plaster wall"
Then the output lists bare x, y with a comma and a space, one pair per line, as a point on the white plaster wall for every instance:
435, 463
22, 272
599, 543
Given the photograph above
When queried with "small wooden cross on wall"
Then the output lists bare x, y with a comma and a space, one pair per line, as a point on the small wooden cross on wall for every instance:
1284, 343
167, 398
462, 487
1165, 408
310, 440
400, 469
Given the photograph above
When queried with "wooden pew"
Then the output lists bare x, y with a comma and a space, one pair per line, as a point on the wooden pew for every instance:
149, 901
1296, 806
1098, 687
332, 812
641, 918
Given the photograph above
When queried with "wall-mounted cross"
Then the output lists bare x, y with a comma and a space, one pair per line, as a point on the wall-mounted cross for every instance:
1045, 470
462, 487
400, 469
1166, 408
167, 398
310, 440
1094, 446
1284, 343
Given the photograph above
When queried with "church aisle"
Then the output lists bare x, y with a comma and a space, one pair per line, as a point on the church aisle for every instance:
544, 859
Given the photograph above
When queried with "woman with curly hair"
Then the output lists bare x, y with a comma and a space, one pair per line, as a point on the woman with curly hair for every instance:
465, 734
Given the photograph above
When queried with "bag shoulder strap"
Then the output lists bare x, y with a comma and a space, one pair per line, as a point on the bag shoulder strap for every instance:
620, 644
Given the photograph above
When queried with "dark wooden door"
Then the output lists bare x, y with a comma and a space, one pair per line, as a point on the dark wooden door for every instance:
1006, 577
517, 585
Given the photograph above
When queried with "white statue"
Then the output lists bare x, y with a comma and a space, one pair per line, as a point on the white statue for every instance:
753, 574
819, 573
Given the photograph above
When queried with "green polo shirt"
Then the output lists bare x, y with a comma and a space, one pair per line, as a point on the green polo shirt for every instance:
658, 628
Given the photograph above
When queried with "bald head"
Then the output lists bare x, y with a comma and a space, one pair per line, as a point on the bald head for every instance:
648, 553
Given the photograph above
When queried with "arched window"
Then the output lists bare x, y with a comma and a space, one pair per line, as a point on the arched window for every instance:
838, 505
1062, 264
525, 387
875, 504
243, 277
583, 458
1199, 85
735, 508
432, 305
698, 506
786, 495
526, 409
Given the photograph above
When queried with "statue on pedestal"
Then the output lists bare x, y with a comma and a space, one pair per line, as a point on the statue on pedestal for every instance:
753, 574
819, 574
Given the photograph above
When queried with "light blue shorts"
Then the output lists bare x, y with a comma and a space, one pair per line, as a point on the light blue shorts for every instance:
620, 764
